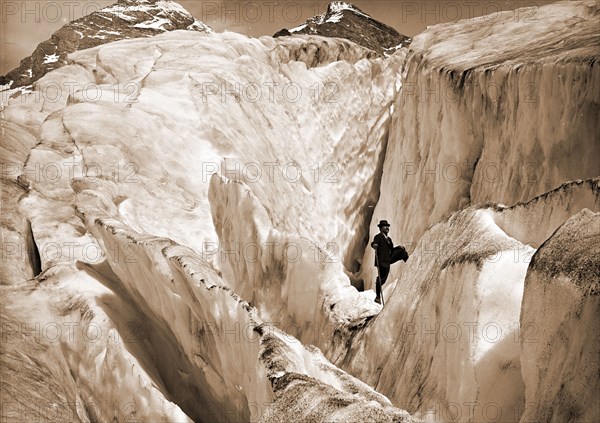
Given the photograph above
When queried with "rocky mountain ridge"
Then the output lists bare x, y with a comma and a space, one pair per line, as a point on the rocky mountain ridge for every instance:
122, 20
344, 20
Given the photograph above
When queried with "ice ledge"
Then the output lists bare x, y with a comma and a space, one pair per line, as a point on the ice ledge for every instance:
563, 31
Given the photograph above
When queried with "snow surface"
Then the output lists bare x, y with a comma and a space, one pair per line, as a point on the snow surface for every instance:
337, 7
334, 18
298, 28
161, 11
155, 23
51, 58
149, 7
105, 31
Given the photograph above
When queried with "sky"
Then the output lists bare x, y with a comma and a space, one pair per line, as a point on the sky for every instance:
25, 23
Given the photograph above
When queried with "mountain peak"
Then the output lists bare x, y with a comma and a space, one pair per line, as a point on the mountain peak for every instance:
344, 20
121, 20
130, 2
338, 6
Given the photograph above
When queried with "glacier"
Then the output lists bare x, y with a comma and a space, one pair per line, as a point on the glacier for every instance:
185, 221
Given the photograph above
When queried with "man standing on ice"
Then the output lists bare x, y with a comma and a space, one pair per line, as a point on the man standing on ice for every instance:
385, 255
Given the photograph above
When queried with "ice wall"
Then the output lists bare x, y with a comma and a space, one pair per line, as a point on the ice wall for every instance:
499, 108
74, 349
312, 172
213, 339
163, 159
19, 125
446, 344
561, 348
299, 147
533, 222
454, 313
112, 179
490, 111
295, 284
307, 387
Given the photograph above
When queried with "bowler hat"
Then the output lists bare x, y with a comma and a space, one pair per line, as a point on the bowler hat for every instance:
383, 223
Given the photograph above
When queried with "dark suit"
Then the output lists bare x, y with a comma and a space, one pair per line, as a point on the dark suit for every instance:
386, 255
383, 254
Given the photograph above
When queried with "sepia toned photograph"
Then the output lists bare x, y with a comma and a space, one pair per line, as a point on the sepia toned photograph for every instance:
281, 211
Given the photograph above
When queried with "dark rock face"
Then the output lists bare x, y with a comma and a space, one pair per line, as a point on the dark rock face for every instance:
344, 20
124, 19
